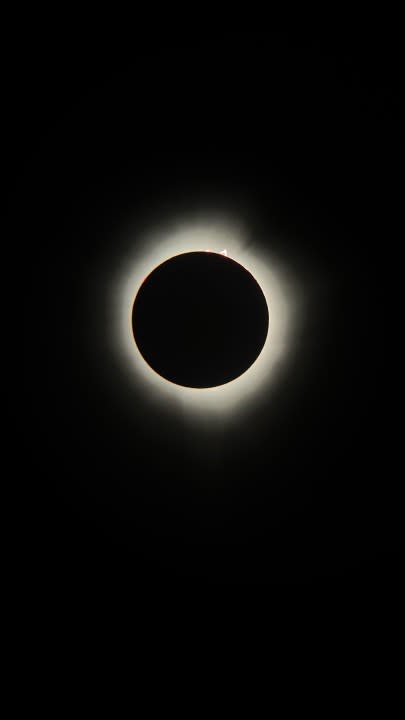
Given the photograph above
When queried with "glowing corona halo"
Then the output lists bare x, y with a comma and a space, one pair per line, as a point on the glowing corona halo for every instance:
212, 234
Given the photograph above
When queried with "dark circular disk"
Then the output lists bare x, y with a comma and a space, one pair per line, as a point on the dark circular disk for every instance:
200, 319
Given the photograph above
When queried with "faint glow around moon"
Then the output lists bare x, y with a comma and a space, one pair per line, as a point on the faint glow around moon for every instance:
154, 247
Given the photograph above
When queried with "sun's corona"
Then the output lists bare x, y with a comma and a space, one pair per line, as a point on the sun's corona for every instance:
149, 250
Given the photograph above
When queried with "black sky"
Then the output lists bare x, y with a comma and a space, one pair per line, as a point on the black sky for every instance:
303, 135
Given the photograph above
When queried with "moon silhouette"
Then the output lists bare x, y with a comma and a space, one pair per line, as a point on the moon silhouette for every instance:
200, 319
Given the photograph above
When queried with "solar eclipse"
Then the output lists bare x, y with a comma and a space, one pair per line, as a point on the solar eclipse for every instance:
147, 247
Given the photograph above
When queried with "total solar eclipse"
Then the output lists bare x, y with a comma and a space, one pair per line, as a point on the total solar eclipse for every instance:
200, 319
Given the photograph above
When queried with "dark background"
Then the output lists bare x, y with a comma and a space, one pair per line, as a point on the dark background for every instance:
302, 131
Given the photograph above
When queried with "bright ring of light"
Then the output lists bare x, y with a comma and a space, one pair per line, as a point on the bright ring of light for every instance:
215, 235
